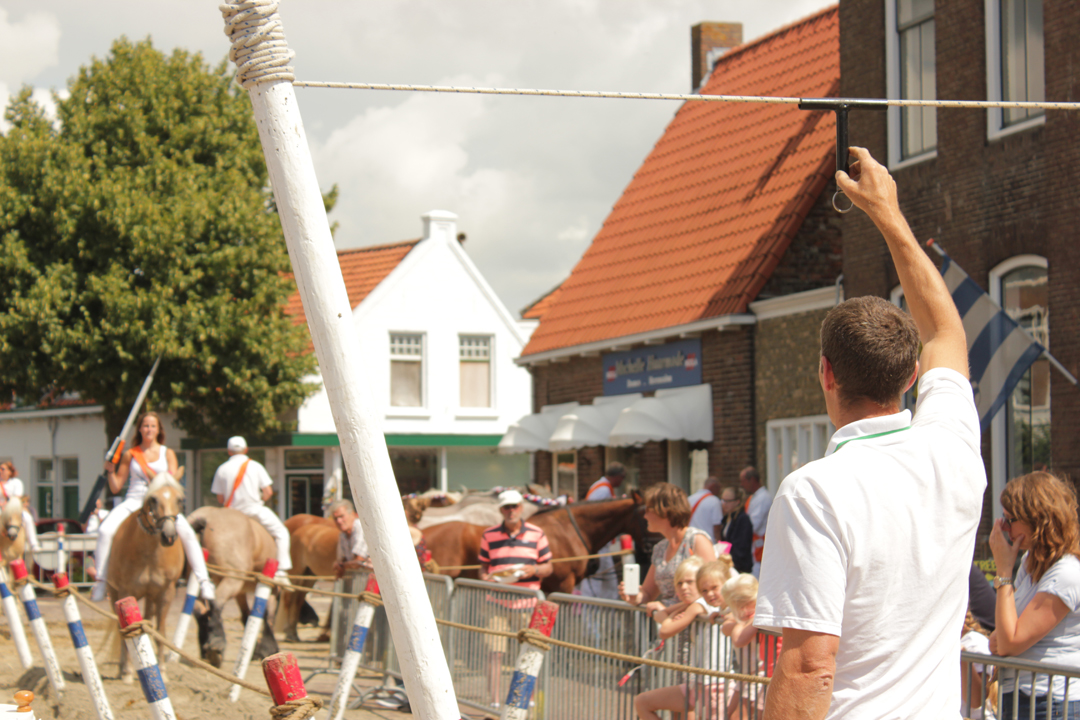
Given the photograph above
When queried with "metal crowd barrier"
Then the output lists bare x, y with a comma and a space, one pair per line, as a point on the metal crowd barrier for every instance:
991, 693
576, 684
482, 664
77, 554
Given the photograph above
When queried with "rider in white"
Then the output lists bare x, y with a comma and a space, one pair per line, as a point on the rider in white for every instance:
248, 495
11, 486
146, 449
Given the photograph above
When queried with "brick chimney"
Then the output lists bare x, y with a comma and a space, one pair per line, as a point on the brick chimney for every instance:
708, 41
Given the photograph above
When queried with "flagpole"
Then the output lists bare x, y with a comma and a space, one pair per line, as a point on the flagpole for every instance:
1049, 356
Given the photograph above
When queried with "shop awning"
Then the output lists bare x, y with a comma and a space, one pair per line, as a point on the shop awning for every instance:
533, 432
677, 414
590, 425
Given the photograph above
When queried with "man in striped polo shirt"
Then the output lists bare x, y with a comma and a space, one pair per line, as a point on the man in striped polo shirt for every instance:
515, 549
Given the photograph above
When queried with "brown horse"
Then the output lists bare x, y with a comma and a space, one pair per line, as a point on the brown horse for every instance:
239, 543
313, 547
146, 561
593, 525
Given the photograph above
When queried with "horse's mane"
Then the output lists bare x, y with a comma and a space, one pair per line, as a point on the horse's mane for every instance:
580, 503
164, 479
12, 510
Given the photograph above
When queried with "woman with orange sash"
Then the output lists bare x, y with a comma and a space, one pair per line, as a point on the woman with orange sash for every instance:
137, 468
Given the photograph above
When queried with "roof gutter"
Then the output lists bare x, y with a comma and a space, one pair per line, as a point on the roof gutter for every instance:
722, 322
37, 414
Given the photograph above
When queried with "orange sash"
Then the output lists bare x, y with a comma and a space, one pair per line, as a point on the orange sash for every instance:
606, 483
137, 453
699, 501
236, 483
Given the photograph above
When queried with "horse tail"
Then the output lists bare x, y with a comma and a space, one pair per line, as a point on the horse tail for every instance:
198, 525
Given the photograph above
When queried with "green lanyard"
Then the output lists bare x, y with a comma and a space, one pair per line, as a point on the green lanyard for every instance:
867, 437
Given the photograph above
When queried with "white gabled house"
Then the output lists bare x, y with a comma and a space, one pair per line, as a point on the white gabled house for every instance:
438, 351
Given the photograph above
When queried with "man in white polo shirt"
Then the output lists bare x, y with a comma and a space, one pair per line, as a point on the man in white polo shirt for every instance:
705, 512
243, 484
867, 552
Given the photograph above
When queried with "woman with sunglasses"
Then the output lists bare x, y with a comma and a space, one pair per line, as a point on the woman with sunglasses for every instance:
1038, 610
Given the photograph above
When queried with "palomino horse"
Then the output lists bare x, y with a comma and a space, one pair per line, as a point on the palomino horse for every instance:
12, 535
146, 561
577, 529
241, 544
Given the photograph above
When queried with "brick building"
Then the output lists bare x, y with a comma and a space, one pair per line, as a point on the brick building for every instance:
997, 189
729, 209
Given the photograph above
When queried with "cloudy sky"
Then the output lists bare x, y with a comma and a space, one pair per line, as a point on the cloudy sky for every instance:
531, 179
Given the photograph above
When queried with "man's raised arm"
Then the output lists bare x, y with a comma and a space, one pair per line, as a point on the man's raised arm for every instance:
873, 190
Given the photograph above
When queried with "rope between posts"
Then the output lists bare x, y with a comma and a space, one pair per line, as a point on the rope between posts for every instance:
135, 629
683, 97
526, 636
287, 587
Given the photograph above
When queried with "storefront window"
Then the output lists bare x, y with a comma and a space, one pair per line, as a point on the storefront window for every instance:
1024, 294
416, 470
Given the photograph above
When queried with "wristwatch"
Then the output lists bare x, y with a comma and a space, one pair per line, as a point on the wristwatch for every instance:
1000, 582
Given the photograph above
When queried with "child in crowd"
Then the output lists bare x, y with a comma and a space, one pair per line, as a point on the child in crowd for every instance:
673, 620
973, 639
755, 651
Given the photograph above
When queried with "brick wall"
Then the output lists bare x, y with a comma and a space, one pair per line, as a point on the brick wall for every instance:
984, 201
785, 377
728, 365
815, 257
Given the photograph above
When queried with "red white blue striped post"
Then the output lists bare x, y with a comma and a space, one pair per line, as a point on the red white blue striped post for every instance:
37, 626
530, 660
184, 620
365, 613
254, 627
91, 676
142, 649
18, 633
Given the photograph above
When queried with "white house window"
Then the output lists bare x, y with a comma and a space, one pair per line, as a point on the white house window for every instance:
1025, 297
406, 369
912, 75
793, 442
1020, 433
1014, 62
45, 483
474, 359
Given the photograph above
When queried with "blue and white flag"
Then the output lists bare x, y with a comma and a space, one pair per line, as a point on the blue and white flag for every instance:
999, 350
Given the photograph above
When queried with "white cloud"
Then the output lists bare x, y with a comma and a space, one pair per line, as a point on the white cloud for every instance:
27, 46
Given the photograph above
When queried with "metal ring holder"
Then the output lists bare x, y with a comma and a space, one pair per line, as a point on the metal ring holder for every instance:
841, 107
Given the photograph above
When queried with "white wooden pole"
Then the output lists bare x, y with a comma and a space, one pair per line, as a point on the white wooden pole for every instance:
253, 627
91, 676
142, 649
182, 623
260, 51
37, 626
365, 613
18, 634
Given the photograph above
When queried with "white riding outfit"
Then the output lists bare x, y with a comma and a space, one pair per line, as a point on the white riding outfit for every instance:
13, 487
138, 485
248, 500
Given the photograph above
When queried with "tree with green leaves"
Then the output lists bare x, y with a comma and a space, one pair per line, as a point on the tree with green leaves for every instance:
142, 224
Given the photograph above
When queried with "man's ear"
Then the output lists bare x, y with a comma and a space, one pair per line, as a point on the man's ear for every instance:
912, 379
825, 371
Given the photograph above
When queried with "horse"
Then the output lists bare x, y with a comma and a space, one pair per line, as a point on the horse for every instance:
12, 534
572, 530
313, 547
146, 561
241, 544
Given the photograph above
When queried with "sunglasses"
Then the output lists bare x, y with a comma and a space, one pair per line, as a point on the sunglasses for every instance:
1006, 522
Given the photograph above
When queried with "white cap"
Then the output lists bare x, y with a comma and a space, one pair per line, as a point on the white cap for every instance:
236, 444
510, 497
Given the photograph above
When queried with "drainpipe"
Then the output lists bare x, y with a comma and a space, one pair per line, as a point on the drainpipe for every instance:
54, 425
839, 288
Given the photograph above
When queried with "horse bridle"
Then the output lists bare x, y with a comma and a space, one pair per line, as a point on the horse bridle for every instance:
154, 528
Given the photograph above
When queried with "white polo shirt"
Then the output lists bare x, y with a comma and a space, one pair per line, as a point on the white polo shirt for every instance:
249, 495
873, 543
708, 513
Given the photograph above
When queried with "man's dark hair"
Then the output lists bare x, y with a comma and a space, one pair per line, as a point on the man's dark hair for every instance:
615, 469
873, 347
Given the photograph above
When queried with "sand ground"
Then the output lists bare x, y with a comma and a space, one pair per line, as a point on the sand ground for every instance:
194, 693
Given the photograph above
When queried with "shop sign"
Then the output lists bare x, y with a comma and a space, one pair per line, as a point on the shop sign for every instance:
676, 364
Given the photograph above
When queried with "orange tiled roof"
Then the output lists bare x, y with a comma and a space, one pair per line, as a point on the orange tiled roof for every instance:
541, 305
708, 215
362, 269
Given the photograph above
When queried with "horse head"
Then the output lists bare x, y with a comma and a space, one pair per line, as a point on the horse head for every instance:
11, 518
164, 501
